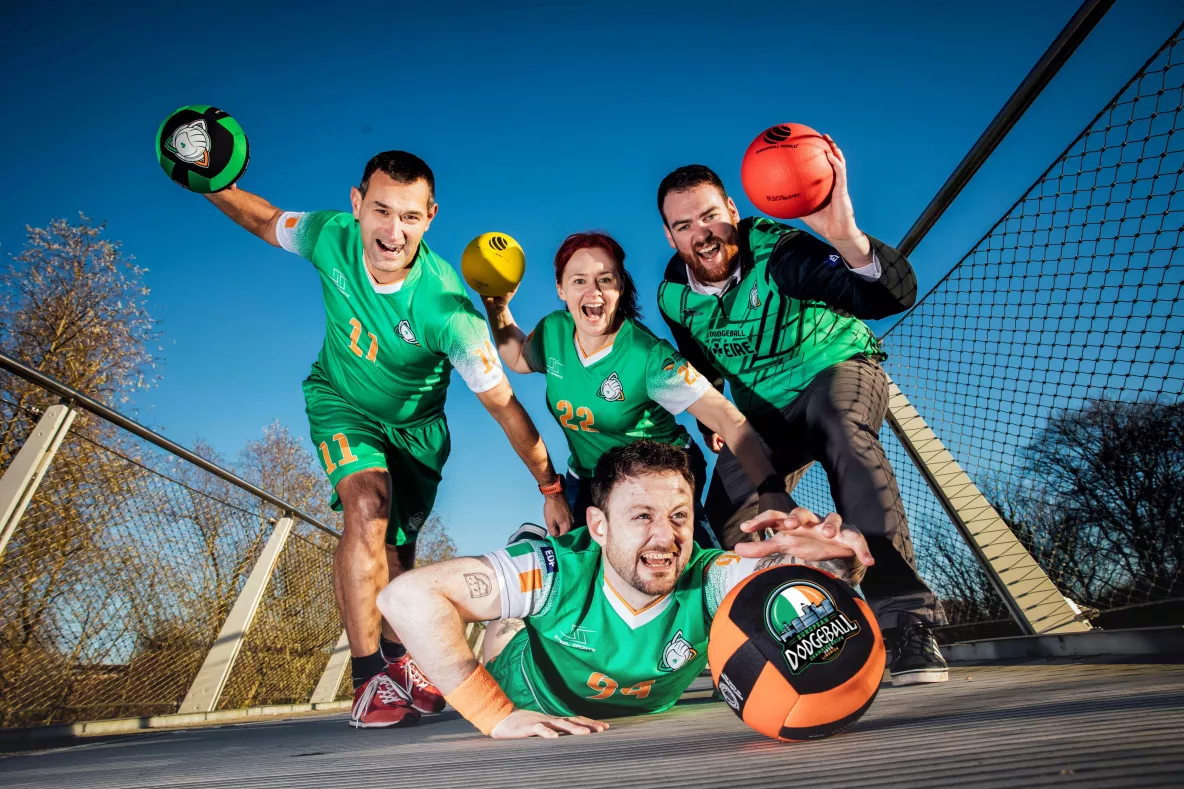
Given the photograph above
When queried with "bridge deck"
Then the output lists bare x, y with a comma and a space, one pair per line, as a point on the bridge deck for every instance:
1005, 726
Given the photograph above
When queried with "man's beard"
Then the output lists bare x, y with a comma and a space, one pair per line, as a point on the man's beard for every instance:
703, 274
626, 567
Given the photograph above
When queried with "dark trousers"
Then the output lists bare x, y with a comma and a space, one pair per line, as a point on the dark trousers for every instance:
579, 497
836, 422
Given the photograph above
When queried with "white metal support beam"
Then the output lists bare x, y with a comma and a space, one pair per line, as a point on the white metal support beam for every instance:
207, 688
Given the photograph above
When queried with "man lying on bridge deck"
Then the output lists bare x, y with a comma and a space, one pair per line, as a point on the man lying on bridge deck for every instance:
616, 614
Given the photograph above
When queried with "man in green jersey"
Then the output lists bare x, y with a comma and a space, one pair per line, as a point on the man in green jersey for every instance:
776, 313
397, 321
617, 614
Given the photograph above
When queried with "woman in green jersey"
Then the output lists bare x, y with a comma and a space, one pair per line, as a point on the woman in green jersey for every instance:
610, 381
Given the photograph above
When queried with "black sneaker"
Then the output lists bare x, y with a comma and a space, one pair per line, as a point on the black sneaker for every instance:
528, 531
916, 660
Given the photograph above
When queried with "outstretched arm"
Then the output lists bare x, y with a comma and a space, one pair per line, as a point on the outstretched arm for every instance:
429, 608
510, 339
249, 211
717, 412
850, 270
503, 406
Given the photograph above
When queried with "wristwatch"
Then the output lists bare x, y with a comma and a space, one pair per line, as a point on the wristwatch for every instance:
558, 486
774, 483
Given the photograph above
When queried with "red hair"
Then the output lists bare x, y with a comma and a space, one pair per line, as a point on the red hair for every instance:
596, 239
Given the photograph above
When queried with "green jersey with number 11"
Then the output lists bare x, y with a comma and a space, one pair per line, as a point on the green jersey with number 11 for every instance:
389, 349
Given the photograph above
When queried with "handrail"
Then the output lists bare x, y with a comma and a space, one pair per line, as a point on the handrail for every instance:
76, 398
1059, 51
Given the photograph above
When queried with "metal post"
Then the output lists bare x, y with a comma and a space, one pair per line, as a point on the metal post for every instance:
330, 680
1034, 601
207, 688
24, 474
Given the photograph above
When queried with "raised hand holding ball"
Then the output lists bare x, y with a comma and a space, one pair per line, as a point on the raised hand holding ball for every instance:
202, 148
493, 264
786, 172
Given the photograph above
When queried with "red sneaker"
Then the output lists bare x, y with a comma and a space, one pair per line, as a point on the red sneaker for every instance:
414, 686
379, 704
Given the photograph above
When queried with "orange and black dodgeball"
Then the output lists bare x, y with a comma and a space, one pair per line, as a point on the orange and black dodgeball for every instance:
796, 653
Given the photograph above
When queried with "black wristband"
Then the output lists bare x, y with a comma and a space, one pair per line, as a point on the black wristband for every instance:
774, 483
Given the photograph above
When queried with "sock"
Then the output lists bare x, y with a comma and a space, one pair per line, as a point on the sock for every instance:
391, 650
364, 668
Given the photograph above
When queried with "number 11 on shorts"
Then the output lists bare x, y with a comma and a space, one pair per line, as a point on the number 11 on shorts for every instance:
346, 455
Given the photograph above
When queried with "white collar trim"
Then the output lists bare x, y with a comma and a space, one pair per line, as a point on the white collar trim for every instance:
635, 619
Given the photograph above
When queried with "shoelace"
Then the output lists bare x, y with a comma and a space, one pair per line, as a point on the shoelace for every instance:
383, 687
414, 675
918, 636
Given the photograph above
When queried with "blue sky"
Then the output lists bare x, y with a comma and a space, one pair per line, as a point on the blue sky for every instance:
539, 121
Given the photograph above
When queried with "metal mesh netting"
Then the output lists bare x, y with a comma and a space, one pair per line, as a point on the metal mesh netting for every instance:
18, 416
297, 625
1048, 361
117, 580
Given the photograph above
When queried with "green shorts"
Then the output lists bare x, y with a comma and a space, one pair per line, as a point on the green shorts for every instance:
347, 440
506, 669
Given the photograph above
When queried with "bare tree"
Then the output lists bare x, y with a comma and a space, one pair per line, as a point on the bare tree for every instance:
1112, 499
434, 543
73, 306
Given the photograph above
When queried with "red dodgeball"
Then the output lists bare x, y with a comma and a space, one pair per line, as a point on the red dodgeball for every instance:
785, 172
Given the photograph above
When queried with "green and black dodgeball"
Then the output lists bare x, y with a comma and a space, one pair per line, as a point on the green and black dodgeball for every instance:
202, 148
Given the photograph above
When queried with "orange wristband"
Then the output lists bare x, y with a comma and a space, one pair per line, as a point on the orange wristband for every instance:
481, 701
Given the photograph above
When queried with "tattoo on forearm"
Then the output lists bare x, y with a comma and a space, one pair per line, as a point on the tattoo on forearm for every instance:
479, 585
772, 560
849, 570
510, 626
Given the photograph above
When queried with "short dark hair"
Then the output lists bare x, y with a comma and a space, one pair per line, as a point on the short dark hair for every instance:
632, 460
627, 303
403, 167
686, 178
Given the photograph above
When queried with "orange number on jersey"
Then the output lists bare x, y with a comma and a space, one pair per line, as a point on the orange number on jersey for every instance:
688, 373
565, 417
346, 455
485, 353
605, 685
640, 690
330, 466
727, 558
585, 413
372, 354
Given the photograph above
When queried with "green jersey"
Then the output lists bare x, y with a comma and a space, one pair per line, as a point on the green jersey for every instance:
389, 349
584, 650
777, 324
632, 389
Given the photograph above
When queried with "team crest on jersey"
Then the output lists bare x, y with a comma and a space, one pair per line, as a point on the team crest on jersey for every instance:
754, 297
404, 330
611, 389
190, 143
339, 280
803, 617
677, 653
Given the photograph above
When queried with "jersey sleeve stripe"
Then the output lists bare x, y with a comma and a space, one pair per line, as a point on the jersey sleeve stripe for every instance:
530, 580
286, 229
525, 577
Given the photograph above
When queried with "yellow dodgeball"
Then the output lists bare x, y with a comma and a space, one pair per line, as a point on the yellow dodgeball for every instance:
493, 264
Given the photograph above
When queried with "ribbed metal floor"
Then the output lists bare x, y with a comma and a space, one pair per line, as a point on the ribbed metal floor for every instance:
1020, 726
